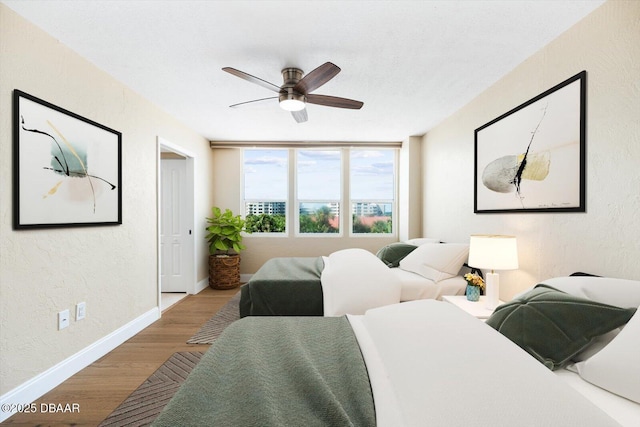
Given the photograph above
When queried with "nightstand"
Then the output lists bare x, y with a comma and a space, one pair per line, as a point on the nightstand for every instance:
474, 308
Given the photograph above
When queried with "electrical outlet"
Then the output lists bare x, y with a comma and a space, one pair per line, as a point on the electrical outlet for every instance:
63, 319
81, 310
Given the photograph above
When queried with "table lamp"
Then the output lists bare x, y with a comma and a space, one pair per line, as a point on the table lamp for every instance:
493, 252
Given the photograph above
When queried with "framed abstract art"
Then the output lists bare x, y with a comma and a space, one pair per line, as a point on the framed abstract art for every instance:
532, 158
67, 169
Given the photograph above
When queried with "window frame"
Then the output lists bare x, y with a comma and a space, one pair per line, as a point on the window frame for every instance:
345, 201
245, 201
394, 202
297, 201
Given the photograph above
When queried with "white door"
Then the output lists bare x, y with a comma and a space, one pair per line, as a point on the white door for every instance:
173, 226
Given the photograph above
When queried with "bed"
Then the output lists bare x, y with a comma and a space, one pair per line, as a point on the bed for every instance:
425, 362
354, 280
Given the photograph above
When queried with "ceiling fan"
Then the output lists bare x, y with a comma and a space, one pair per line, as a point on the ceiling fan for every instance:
294, 93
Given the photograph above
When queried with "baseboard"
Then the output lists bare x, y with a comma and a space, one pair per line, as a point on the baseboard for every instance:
201, 285
42, 383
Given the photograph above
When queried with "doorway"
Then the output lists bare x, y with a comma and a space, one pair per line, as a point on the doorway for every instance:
176, 251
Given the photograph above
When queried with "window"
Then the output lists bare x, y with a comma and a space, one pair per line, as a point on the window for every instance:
331, 190
319, 183
372, 192
266, 188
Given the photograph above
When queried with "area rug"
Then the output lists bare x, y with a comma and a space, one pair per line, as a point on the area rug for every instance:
229, 313
147, 401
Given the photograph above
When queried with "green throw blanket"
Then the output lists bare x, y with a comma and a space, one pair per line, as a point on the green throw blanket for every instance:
277, 371
284, 287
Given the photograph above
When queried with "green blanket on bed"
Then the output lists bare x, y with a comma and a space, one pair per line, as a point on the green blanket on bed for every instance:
288, 286
277, 371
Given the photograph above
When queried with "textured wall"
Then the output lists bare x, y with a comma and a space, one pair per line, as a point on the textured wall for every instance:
227, 193
112, 269
606, 239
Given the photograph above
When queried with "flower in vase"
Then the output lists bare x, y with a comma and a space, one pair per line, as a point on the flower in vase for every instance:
474, 280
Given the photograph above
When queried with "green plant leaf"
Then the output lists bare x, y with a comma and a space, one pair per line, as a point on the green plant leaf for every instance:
224, 230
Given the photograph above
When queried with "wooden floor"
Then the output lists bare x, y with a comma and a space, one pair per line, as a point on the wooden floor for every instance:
102, 386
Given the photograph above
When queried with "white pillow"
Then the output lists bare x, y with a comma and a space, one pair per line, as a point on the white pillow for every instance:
607, 290
597, 344
421, 241
616, 367
436, 262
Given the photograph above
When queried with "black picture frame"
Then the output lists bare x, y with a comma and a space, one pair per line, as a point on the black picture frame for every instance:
532, 158
67, 169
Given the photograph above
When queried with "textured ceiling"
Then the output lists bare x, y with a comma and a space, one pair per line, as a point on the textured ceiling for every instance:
412, 63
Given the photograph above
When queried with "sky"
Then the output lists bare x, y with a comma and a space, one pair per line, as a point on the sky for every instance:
318, 174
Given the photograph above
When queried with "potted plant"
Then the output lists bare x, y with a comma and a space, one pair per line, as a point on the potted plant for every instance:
224, 234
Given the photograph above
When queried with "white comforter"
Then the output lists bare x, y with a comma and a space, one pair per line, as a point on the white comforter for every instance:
354, 280
415, 286
432, 364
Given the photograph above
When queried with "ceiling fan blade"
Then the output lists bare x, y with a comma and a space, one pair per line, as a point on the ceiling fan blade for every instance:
252, 79
316, 78
334, 101
300, 116
251, 102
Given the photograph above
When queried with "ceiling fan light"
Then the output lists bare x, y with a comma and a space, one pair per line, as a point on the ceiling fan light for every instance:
292, 105
292, 101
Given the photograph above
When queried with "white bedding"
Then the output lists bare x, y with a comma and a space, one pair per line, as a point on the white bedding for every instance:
354, 280
446, 368
414, 286
624, 411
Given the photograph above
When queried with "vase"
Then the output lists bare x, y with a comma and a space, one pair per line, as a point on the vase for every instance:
473, 293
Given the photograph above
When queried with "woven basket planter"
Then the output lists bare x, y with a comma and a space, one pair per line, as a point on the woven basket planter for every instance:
224, 271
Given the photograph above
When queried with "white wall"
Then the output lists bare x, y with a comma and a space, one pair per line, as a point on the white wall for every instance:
227, 194
410, 189
606, 239
113, 269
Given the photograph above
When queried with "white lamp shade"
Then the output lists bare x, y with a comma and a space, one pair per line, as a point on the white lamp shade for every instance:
493, 252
